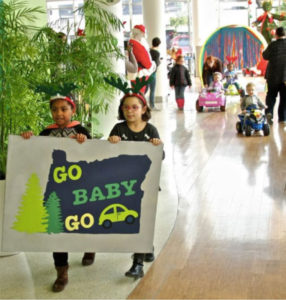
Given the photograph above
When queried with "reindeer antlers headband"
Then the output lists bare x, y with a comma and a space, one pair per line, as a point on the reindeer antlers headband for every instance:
134, 90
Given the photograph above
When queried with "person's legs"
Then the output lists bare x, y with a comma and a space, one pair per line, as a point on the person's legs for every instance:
88, 258
179, 92
136, 269
152, 92
282, 103
270, 101
60, 259
61, 264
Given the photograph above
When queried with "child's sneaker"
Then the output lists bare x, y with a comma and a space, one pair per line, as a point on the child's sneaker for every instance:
269, 118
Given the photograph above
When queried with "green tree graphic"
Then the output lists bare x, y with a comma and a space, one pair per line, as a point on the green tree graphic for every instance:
55, 224
32, 215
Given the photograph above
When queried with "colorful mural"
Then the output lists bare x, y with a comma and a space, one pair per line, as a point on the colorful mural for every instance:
242, 44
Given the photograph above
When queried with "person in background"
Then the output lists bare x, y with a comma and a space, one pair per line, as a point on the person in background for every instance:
155, 54
216, 85
250, 99
145, 64
231, 78
275, 76
211, 65
131, 65
179, 79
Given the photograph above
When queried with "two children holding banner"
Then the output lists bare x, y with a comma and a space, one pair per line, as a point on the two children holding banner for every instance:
133, 109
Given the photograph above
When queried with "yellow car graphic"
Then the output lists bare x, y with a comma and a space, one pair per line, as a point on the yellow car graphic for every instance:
117, 213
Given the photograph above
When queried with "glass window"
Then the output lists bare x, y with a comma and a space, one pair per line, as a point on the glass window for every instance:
64, 16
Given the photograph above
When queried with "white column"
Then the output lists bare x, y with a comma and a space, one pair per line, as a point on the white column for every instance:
154, 21
108, 120
205, 22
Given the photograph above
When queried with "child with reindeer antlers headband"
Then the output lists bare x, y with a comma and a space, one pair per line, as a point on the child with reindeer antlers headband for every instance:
135, 113
62, 110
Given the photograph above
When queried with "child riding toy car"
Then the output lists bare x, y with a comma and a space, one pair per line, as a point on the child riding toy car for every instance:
211, 98
252, 120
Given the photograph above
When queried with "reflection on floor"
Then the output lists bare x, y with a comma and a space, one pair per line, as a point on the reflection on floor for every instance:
229, 235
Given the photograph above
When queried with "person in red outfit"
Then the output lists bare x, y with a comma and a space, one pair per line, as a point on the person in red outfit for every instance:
145, 64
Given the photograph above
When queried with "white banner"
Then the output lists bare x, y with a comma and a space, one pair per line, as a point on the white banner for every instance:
65, 196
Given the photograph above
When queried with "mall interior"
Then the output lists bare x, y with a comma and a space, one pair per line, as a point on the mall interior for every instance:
220, 226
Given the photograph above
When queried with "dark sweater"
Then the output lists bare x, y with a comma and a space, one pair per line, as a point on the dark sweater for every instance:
275, 53
180, 76
65, 132
122, 130
155, 55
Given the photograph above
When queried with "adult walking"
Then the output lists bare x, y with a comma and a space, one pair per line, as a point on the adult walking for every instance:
275, 75
211, 65
155, 55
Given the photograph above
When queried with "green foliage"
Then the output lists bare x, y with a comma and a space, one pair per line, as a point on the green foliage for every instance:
20, 108
84, 62
55, 224
178, 21
32, 215
28, 64
282, 9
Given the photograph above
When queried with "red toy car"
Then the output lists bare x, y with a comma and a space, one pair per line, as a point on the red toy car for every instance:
250, 71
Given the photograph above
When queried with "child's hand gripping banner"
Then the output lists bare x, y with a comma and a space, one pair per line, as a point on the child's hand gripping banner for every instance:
65, 196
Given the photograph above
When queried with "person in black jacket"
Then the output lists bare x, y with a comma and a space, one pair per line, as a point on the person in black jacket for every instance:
62, 109
155, 54
179, 79
276, 75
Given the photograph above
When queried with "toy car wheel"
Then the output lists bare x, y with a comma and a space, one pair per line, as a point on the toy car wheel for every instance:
222, 108
248, 130
266, 129
130, 219
238, 127
107, 224
198, 107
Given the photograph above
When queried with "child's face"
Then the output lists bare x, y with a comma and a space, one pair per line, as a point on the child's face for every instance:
217, 77
250, 90
230, 67
180, 61
133, 109
62, 112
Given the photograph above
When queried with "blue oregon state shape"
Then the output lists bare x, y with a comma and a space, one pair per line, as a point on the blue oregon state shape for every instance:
98, 197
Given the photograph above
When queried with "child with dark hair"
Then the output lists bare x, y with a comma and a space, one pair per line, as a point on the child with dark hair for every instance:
62, 109
211, 65
179, 79
133, 109
231, 78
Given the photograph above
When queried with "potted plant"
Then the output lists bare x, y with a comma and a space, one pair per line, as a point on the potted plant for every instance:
28, 63
19, 106
80, 65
